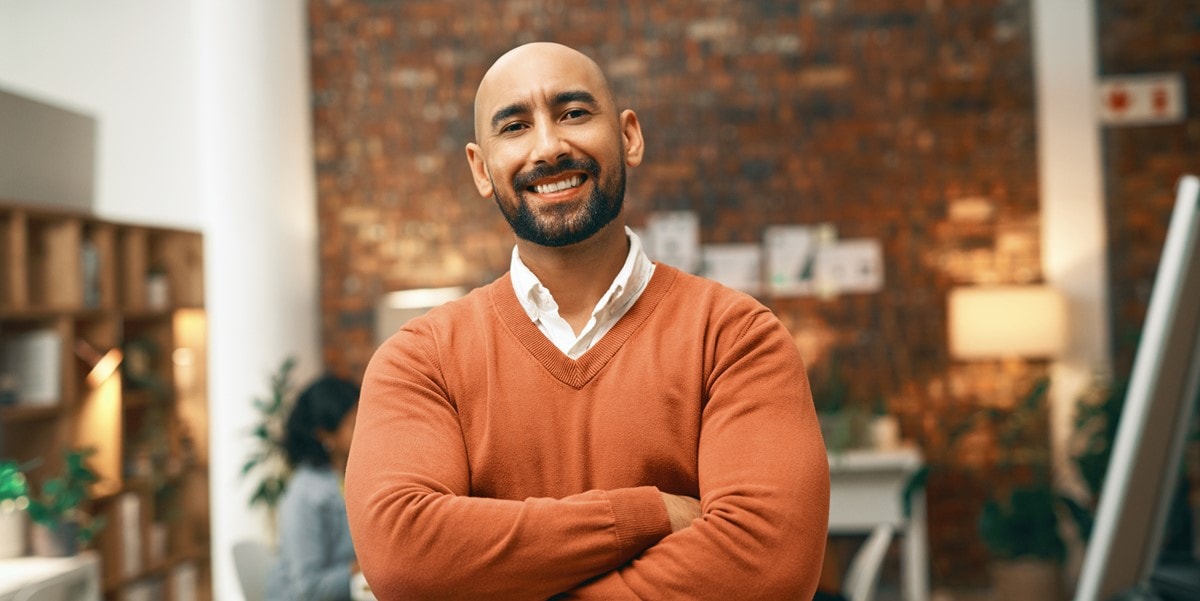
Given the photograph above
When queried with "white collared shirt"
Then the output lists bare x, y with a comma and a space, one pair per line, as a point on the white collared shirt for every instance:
543, 310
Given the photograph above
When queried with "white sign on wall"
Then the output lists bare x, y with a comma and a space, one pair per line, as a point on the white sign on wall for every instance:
673, 237
1149, 99
738, 266
804, 260
853, 265
792, 252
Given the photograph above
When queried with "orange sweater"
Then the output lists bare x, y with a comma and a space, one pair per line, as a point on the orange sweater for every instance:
488, 465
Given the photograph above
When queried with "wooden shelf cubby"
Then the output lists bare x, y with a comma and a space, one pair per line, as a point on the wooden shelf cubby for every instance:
76, 291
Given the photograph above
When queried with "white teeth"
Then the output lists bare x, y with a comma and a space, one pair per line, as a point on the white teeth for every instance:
570, 182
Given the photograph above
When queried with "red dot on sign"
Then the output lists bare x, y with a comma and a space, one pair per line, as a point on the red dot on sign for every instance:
1118, 100
1159, 99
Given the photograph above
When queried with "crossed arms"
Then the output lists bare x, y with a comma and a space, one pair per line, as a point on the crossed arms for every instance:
757, 530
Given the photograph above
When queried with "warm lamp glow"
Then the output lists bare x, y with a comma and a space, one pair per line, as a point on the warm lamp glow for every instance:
102, 367
422, 298
1003, 322
105, 367
394, 309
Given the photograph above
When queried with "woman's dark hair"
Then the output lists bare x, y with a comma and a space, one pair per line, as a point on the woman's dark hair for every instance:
320, 406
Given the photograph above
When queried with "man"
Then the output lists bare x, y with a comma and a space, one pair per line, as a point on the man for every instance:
591, 425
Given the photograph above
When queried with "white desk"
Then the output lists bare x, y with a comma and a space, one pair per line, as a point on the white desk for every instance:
22, 573
867, 489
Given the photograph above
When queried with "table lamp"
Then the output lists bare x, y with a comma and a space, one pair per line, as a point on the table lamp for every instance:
1006, 322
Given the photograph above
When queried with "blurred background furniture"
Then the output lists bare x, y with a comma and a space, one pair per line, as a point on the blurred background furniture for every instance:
862, 577
75, 578
252, 559
867, 491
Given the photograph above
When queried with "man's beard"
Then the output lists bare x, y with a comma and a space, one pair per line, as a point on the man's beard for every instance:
555, 225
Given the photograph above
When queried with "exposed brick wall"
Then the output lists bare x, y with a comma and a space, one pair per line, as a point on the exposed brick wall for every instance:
911, 122
1142, 164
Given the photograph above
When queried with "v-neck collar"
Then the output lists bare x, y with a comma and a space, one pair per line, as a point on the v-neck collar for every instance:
576, 373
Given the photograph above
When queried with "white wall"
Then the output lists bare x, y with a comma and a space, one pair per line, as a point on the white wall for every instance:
203, 124
128, 64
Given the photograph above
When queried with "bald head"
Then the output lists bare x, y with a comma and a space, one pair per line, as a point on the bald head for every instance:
534, 68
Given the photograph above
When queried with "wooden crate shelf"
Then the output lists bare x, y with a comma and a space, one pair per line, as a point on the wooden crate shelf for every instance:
88, 288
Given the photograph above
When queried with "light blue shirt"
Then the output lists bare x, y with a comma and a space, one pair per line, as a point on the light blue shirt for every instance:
315, 549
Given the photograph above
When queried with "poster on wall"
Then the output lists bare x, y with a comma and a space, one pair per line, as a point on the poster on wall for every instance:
1143, 99
809, 260
791, 256
673, 237
852, 266
738, 266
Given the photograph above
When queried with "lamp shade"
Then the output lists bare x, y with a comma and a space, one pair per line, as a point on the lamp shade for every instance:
1000, 322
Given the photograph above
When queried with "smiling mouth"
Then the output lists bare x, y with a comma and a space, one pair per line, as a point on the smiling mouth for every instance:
558, 186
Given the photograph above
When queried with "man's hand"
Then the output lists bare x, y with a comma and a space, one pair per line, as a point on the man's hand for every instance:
682, 510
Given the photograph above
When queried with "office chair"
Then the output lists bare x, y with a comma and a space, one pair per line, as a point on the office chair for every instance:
862, 575
252, 559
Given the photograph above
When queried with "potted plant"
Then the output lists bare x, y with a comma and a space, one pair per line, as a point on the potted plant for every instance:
13, 504
1020, 524
1021, 531
61, 523
268, 459
1097, 415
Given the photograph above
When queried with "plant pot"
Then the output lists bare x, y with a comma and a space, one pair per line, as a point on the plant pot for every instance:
61, 540
1027, 580
12, 530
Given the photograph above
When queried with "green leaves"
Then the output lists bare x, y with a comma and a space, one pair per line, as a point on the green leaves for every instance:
268, 458
61, 498
12, 481
1024, 525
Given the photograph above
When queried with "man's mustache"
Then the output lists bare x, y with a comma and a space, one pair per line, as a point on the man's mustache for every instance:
524, 180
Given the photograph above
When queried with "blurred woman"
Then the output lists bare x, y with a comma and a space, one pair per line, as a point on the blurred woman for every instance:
316, 557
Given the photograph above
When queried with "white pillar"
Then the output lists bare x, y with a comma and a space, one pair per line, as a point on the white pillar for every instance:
257, 187
1074, 236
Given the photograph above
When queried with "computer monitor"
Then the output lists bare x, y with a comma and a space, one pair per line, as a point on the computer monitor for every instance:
1149, 445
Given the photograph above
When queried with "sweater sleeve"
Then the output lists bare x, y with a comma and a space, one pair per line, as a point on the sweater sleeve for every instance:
417, 532
764, 486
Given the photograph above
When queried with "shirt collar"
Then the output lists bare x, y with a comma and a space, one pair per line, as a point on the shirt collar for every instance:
630, 280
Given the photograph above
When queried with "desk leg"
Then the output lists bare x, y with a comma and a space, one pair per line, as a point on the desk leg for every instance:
915, 577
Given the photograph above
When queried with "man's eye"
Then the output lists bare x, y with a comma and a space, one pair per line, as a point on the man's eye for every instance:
574, 114
511, 127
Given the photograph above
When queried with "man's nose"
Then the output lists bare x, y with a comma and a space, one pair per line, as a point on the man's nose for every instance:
549, 145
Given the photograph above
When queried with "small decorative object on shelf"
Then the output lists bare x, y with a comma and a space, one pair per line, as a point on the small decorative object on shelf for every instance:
8, 390
34, 360
158, 289
62, 524
13, 504
90, 262
138, 369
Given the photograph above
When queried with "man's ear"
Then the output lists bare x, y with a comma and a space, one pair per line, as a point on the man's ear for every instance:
631, 136
483, 182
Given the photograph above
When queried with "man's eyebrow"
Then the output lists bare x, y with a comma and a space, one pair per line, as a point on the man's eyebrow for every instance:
559, 99
570, 96
517, 108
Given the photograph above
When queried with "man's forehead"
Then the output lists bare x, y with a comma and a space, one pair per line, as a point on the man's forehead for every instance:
536, 72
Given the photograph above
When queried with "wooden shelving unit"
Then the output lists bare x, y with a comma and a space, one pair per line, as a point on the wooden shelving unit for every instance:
74, 287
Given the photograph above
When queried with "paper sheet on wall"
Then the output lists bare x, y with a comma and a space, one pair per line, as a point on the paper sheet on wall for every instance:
673, 237
791, 256
738, 266
854, 265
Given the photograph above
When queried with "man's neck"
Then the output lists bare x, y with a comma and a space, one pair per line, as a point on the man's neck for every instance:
579, 274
